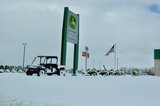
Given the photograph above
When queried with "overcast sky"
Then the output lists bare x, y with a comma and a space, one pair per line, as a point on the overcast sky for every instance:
134, 25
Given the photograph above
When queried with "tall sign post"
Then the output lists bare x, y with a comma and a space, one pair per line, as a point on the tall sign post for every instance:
86, 55
70, 33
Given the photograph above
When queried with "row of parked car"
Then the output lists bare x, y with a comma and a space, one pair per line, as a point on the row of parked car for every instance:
94, 72
11, 71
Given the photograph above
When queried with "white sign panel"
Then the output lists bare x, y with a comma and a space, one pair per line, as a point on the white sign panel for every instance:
72, 27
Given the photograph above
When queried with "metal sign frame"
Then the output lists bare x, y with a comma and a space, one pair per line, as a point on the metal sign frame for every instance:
70, 33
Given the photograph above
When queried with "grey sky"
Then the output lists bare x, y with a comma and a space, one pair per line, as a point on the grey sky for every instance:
133, 25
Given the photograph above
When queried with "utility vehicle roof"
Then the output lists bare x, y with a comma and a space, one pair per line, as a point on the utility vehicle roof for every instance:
47, 57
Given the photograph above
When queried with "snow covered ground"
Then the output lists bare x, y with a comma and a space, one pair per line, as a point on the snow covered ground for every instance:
17, 89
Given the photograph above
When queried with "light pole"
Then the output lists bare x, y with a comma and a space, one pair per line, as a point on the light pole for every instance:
24, 52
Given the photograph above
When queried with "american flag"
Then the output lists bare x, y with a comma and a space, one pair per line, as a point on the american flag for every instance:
111, 50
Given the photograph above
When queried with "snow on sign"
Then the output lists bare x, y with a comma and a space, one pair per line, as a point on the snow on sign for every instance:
72, 27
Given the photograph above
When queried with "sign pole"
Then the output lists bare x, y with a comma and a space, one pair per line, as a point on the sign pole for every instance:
76, 52
75, 60
86, 54
64, 37
86, 63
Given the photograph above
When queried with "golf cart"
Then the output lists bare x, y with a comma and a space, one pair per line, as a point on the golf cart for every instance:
44, 65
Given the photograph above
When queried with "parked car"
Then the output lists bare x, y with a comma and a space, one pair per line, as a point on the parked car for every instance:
104, 73
92, 72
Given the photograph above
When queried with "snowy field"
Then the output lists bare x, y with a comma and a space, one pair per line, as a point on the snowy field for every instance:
17, 89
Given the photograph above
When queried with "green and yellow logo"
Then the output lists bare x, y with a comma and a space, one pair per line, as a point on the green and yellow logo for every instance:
72, 22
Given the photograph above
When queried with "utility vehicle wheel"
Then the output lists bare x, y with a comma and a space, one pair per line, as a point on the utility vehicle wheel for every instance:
105, 75
29, 73
58, 72
41, 72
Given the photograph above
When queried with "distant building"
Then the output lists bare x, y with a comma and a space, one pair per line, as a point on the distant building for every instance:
157, 62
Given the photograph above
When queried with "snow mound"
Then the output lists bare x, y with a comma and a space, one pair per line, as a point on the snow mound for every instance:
21, 101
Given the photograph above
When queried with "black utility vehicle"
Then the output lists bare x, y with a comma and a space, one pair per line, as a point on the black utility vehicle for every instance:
44, 65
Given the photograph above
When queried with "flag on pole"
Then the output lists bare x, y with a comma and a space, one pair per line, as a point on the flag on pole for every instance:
111, 50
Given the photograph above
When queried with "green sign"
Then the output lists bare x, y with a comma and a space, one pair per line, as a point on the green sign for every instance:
157, 54
72, 27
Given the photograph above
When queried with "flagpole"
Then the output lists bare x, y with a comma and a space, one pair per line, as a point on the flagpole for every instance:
115, 57
117, 63
113, 50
